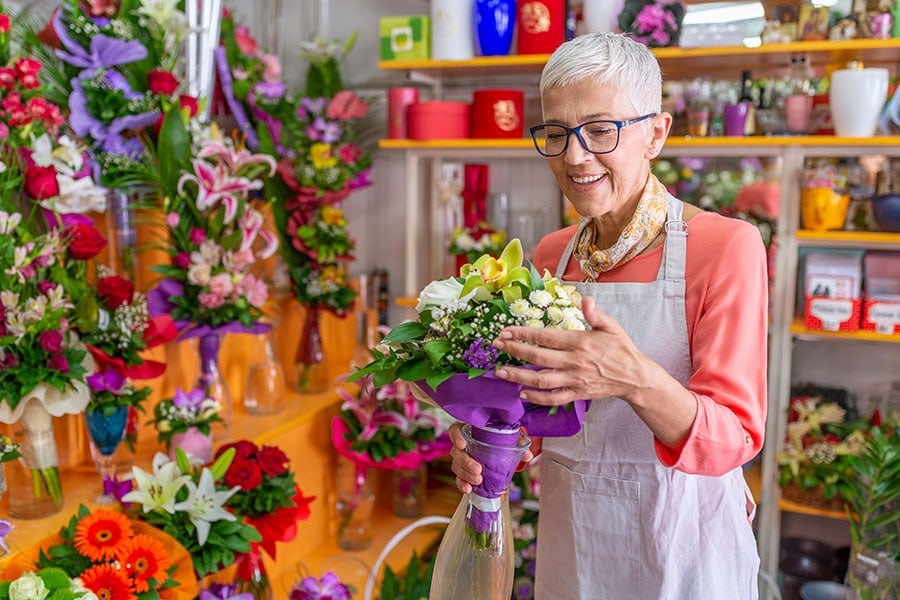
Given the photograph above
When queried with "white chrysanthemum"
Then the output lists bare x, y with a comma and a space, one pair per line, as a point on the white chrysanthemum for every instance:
572, 325
555, 314
519, 308
534, 323
540, 298
535, 313
572, 312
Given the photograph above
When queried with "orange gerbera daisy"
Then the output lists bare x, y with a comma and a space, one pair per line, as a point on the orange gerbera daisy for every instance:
98, 535
108, 583
144, 557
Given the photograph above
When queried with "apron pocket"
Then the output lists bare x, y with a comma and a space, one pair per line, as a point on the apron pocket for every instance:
597, 518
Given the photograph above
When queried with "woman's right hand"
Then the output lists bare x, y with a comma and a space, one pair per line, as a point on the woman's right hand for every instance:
467, 469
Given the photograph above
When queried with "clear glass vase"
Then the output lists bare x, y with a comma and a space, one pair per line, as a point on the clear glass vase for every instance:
264, 389
35, 490
409, 491
476, 556
310, 362
355, 503
252, 577
872, 574
106, 428
211, 381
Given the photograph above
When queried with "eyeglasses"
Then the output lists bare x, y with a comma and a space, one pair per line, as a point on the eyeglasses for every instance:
597, 137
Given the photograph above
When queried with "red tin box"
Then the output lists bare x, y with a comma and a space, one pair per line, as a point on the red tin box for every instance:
497, 113
540, 26
437, 120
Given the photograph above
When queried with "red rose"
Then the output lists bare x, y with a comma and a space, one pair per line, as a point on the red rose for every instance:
272, 461
243, 449
50, 341
162, 82
190, 103
40, 182
115, 291
85, 241
244, 473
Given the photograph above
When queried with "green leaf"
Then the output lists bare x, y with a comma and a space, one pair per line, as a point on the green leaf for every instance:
174, 150
406, 332
415, 371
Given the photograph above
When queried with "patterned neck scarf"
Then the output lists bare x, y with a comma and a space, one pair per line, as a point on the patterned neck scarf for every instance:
647, 222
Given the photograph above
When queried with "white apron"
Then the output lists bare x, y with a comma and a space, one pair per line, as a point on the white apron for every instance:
615, 523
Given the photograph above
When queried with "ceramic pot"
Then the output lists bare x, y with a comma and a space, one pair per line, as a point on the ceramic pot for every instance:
857, 97
494, 24
451, 30
823, 209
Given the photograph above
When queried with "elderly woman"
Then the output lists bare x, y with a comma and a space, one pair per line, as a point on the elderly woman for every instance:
648, 501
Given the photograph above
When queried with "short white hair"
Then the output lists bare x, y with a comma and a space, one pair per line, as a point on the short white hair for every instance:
610, 59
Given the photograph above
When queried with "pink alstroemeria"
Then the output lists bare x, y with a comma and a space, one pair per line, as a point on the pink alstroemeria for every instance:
215, 184
235, 158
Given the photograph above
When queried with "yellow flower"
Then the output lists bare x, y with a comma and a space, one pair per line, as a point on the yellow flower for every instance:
489, 275
321, 156
331, 215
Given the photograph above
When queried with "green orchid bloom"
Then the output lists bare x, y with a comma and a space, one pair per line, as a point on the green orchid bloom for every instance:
488, 275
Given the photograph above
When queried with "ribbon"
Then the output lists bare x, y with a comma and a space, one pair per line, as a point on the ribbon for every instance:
236, 108
280, 525
424, 453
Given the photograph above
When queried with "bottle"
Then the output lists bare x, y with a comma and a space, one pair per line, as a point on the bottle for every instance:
747, 96
380, 291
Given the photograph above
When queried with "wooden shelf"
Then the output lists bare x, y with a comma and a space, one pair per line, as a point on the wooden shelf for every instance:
805, 509
682, 60
798, 329
852, 239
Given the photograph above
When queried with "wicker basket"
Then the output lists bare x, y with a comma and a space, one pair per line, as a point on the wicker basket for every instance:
813, 497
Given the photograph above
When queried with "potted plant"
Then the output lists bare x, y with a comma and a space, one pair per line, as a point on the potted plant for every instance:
872, 496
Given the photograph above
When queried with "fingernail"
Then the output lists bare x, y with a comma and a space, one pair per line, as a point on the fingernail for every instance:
502, 373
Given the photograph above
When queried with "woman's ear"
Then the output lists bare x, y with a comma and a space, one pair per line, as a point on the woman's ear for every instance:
659, 131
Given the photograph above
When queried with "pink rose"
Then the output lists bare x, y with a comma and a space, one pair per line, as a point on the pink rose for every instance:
197, 235
221, 284
182, 260
58, 362
50, 341
211, 301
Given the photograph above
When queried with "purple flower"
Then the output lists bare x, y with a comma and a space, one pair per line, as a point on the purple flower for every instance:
314, 105
329, 131
129, 148
480, 355
50, 341
104, 51
117, 489
327, 588
5, 528
190, 399
58, 362
107, 381
269, 90
221, 591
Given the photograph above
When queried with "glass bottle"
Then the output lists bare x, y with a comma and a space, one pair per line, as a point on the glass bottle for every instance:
265, 386
409, 491
355, 503
747, 96
475, 558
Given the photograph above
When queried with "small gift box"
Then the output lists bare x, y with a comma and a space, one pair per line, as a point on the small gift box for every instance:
541, 26
437, 120
497, 113
833, 285
405, 38
881, 306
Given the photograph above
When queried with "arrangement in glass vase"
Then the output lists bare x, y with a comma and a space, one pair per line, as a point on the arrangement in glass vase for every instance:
114, 556
447, 354
185, 502
270, 500
185, 422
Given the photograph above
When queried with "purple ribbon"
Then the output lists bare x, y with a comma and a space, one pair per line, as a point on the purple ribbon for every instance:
237, 109
117, 489
104, 50
273, 124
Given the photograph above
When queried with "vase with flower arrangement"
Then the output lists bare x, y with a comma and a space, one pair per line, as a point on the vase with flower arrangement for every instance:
389, 428
314, 137
268, 498
447, 355
184, 422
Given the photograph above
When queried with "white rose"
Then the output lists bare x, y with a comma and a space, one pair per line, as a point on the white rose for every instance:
28, 587
439, 293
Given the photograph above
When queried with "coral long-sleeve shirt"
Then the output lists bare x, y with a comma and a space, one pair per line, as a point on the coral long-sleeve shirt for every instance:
726, 305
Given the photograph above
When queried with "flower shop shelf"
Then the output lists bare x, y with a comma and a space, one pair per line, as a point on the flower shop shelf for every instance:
731, 59
799, 330
849, 239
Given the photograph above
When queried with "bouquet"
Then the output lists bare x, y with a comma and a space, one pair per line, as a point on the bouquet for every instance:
447, 354
314, 137
117, 76
388, 427
654, 23
184, 412
185, 502
113, 556
45, 583
472, 242
216, 237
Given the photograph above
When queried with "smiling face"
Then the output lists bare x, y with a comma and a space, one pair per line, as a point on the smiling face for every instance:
606, 187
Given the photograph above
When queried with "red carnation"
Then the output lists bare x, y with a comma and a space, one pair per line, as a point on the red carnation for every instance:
245, 474
27, 70
272, 461
7, 78
115, 290
86, 242
50, 341
40, 182
162, 82
58, 362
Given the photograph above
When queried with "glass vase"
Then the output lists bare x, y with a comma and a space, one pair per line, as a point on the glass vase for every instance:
476, 555
872, 574
2, 480
494, 24
35, 490
106, 428
265, 388
211, 381
310, 362
122, 233
252, 577
355, 504
408, 491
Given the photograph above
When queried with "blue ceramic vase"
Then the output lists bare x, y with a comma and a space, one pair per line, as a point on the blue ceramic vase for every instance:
494, 24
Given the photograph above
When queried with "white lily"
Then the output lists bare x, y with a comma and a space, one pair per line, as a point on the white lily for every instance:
204, 504
157, 491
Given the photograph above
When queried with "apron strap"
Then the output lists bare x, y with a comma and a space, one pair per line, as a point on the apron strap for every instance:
567, 253
675, 245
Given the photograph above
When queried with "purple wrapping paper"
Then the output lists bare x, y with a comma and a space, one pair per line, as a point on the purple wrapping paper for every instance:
499, 456
488, 401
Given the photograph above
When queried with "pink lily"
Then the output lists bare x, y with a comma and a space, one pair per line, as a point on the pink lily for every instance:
234, 158
368, 413
215, 185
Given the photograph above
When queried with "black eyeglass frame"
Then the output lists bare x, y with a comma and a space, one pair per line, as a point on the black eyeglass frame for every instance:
577, 131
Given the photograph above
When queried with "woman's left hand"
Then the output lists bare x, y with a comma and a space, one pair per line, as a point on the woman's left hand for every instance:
597, 363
